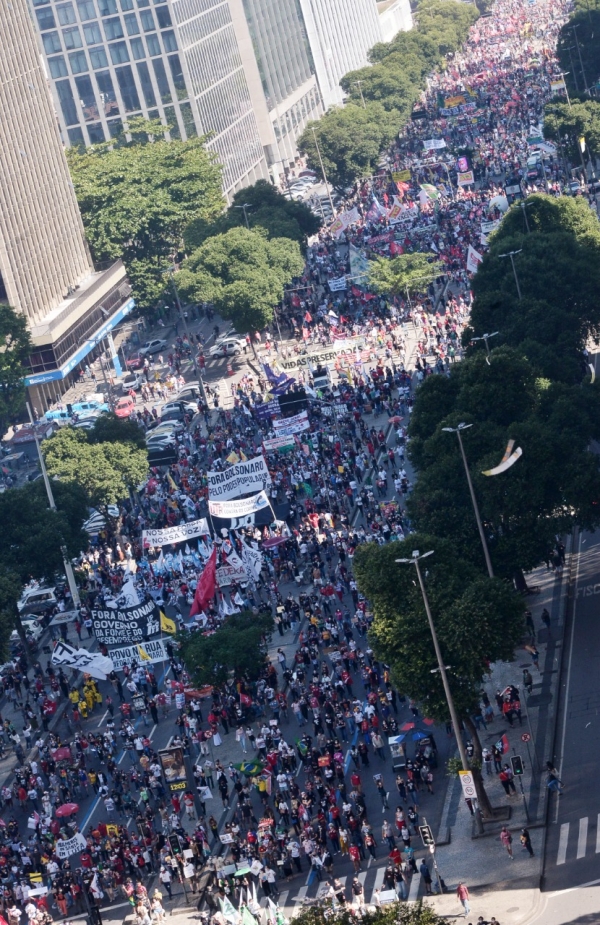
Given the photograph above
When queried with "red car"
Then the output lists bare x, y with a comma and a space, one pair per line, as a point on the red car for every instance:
135, 362
124, 407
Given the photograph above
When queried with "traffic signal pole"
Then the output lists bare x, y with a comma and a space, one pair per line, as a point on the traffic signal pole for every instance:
518, 768
429, 843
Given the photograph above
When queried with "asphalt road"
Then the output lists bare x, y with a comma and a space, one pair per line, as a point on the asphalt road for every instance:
573, 836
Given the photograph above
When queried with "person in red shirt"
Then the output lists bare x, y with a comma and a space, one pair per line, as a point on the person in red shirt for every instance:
355, 857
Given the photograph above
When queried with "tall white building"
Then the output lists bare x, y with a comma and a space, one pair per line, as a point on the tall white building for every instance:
340, 34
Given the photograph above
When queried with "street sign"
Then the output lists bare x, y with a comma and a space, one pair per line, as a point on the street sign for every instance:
467, 784
525, 737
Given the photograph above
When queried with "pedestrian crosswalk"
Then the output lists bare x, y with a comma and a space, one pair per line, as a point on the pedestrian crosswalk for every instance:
578, 839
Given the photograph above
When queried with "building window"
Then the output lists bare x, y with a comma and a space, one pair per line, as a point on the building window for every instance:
45, 19
87, 98
172, 122
107, 7
96, 133
137, 49
129, 93
143, 3
86, 9
113, 29
161, 80
107, 94
126, 5
153, 45
78, 62
67, 103
177, 75
146, 82
51, 43
164, 17
131, 24
93, 35
115, 128
76, 137
98, 58
188, 120
119, 53
72, 38
169, 40
40, 2
58, 67
147, 21
66, 14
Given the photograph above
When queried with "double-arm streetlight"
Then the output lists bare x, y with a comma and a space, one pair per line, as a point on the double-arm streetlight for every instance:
458, 430
485, 338
512, 255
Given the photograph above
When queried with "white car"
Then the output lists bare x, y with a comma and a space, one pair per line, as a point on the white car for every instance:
231, 347
33, 630
133, 380
153, 346
36, 600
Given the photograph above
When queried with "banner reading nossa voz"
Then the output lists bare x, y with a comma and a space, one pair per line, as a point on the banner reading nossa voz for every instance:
239, 479
126, 625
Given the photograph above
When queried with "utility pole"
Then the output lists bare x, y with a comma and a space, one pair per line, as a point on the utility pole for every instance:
512, 255
323, 170
171, 270
524, 211
52, 504
358, 83
574, 31
245, 206
486, 552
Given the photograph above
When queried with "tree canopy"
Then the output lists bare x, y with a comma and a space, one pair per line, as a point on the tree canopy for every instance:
566, 124
106, 471
558, 269
136, 200
243, 273
111, 429
406, 273
266, 208
235, 649
15, 347
580, 34
396, 913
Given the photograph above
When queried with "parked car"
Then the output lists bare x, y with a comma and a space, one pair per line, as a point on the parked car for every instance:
58, 417
187, 407
36, 600
229, 347
124, 407
158, 425
33, 630
83, 407
133, 380
135, 362
574, 187
189, 393
153, 346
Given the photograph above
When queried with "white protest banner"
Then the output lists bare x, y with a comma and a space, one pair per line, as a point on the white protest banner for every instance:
343, 220
230, 509
279, 443
64, 849
466, 178
98, 666
177, 534
293, 425
253, 561
556, 85
239, 479
547, 147
146, 653
336, 284
233, 570
119, 625
434, 144
64, 616
474, 258
488, 227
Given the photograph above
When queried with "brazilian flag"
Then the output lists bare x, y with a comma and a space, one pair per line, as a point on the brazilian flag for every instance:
250, 768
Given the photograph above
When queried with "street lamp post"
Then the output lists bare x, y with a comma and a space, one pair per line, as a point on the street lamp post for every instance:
486, 552
485, 338
171, 271
442, 668
245, 206
66, 561
358, 83
512, 255
323, 171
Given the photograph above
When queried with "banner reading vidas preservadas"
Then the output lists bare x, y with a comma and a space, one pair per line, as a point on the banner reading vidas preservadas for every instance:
239, 479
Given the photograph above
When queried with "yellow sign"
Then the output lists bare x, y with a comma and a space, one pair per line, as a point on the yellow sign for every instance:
401, 176
180, 785
451, 101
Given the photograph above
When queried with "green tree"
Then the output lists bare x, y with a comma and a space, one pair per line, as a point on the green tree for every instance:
15, 347
554, 485
558, 269
111, 429
106, 471
384, 83
243, 273
267, 209
350, 140
406, 273
137, 199
10, 591
478, 620
581, 29
235, 650
580, 119
397, 913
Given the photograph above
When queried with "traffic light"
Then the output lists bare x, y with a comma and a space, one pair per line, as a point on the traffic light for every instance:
517, 765
426, 835
175, 845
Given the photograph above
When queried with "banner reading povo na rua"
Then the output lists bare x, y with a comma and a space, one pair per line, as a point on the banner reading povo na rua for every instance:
126, 625
249, 475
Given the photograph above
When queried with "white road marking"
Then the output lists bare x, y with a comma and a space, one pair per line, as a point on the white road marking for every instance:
582, 840
562, 843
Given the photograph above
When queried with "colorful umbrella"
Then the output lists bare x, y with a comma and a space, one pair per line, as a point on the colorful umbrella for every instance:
407, 726
418, 735
242, 872
67, 809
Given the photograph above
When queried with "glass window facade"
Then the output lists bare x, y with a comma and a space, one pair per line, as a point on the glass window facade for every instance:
66, 14
98, 58
96, 133
113, 29
146, 83
163, 17
45, 18
107, 7
67, 103
153, 45
51, 43
118, 52
131, 24
86, 10
58, 66
129, 93
92, 33
72, 37
137, 49
161, 80
78, 62
169, 40
87, 98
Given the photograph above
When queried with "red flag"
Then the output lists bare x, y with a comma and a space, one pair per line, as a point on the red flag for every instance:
502, 744
207, 583
308, 317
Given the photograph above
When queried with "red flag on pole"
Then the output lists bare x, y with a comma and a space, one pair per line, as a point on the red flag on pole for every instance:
502, 744
207, 583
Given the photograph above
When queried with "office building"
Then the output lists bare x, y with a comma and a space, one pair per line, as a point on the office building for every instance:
177, 60
46, 272
340, 35
394, 16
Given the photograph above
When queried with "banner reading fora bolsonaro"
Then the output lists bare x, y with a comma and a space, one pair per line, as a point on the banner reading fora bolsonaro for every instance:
126, 625
239, 479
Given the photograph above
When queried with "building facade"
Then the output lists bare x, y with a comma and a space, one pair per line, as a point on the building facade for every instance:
340, 35
395, 16
177, 60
